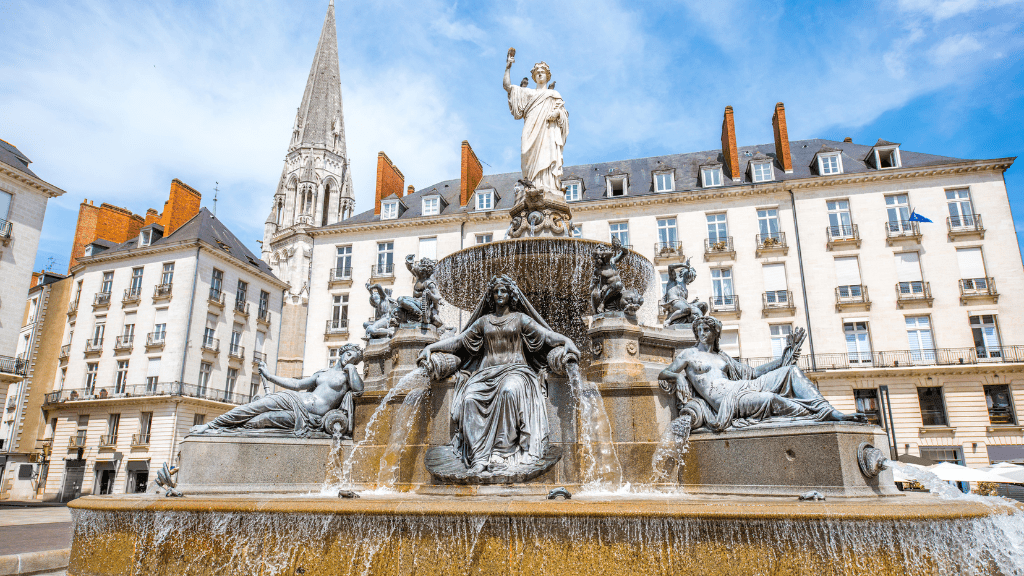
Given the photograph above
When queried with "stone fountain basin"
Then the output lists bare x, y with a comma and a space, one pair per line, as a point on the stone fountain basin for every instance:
410, 534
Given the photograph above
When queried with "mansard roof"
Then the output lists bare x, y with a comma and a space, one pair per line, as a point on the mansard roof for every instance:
640, 170
10, 155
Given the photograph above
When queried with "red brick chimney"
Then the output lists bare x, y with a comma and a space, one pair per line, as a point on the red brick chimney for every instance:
729, 150
410, 190
472, 172
181, 206
107, 222
782, 139
389, 180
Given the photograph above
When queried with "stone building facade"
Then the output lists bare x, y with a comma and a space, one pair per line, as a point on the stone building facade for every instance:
917, 324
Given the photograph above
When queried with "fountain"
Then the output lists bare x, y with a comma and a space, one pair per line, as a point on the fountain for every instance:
678, 458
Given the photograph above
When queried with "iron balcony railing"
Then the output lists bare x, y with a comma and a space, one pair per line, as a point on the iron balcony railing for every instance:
211, 344
673, 249
156, 338
842, 233
216, 296
337, 326
241, 306
725, 303
258, 357
6, 229
904, 358
65, 351
101, 299
851, 295
718, 246
965, 224
131, 295
108, 440
124, 342
978, 287
912, 291
382, 271
94, 344
338, 274
236, 351
140, 439
151, 389
771, 241
902, 229
73, 307
162, 290
263, 315
76, 440
777, 300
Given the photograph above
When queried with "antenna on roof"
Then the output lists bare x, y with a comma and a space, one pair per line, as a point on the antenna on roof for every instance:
215, 190
50, 262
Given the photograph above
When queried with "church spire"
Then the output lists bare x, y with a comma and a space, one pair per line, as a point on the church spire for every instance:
319, 122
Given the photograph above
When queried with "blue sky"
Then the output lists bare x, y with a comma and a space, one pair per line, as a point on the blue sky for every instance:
112, 100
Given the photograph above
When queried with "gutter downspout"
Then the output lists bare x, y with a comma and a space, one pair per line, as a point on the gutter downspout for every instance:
803, 281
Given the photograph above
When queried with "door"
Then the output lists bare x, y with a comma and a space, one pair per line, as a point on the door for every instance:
74, 473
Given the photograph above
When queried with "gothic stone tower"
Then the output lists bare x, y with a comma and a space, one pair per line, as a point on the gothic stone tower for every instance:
315, 190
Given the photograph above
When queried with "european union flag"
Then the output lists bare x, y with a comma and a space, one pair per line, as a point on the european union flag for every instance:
915, 217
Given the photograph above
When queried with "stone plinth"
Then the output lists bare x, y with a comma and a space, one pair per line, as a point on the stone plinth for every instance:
615, 347
235, 464
785, 461
409, 340
659, 346
376, 364
540, 212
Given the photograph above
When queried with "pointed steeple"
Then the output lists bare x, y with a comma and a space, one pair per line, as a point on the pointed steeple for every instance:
319, 122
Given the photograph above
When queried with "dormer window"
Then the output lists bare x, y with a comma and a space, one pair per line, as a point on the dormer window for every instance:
389, 210
885, 155
761, 171
664, 181
485, 199
573, 191
431, 206
88, 250
145, 238
711, 176
617, 185
830, 163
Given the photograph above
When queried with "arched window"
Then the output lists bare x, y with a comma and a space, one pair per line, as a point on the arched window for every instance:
327, 203
307, 202
280, 211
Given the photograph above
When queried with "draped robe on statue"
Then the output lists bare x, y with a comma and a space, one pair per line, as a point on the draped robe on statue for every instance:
543, 139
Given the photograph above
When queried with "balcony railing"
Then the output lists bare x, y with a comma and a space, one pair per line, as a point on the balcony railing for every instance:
154, 339
73, 307
915, 291
236, 351
777, 300
148, 390
258, 357
16, 366
108, 440
65, 351
216, 297
852, 295
902, 229
729, 303
904, 358
263, 315
669, 250
140, 439
771, 242
842, 234
382, 271
211, 345
242, 307
124, 342
971, 288
93, 345
341, 274
162, 291
337, 326
965, 225
75, 440
131, 296
6, 230
101, 299
719, 247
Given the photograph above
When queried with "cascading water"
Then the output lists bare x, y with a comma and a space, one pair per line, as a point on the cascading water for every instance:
602, 470
667, 461
401, 426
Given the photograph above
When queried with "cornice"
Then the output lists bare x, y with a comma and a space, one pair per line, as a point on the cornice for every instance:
33, 182
921, 371
1000, 164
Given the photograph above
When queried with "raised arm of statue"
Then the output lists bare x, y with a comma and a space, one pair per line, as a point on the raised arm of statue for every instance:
507, 83
289, 383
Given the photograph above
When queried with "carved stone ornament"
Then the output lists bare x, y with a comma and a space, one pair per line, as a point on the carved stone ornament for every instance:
631, 348
539, 212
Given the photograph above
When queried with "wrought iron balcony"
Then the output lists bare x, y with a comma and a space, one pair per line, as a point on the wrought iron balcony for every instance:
770, 243
6, 231
65, 351
905, 358
669, 250
382, 271
140, 439
162, 291
93, 345
16, 366
154, 339
236, 351
336, 326
108, 440
73, 307
263, 316
842, 235
901, 230
124, 342
965, 225
216, 297
154, 389
725, 304
131, 296
852, 295
211, 345
916, 291
978, 288
340, 275
777, 300
76, 440
101, 299
242, 307
722, 247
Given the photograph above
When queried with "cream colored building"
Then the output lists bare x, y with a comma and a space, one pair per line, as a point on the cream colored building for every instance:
919, 324
161, 333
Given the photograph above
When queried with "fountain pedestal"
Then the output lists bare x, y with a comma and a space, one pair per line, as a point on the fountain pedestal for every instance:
407, 343
377, 364
247, 464
615, 347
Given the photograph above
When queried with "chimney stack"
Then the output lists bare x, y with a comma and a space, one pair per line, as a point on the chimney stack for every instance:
472, 173
389, 180
730, 153
782, 139
181, 206
410, 190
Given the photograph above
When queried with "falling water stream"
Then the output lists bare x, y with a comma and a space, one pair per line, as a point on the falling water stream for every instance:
667, 461
401, 425
601, 468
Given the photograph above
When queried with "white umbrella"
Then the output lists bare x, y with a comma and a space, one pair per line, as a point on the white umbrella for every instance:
1011, 472
899, 476
956, 473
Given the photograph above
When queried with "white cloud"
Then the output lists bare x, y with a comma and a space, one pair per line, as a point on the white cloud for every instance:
944, 9
953, 48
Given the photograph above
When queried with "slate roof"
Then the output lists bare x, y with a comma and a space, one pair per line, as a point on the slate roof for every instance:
205, 227
686, 168
13, 157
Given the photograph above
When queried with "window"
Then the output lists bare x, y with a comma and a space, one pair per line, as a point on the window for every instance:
729, 342
5, 204
198, 419
848, 277
898, 208
146, 425
776, 288
986, 336
389, 210
241, 291
572, 191
711, 176
887, 158
1000, 408
908, 273
204, 378
718, 229
108, 282
617, 185
664, 281
667, 232
254, 386
167, 276
919, 336
721, 286
484, 238
264, 305
339, 312
145, 237
136, 286
428, 248
216, 283
90, 378
121, 377
830, 163
868, 405
761, 171
933, 409
128, 330
385, 257
858, 347
343, 262
663, 182
160, 325
961, 213
209, 337
236, 340
972, 268
113, 423
229, 385
97, 332
768, 223
780, 332
152, 375
334, 354
620, 230
431, 206
839, 222
484, 199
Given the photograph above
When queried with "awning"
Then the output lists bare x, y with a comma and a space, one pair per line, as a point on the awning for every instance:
133, 465
1011, 472
106, 464
956, 473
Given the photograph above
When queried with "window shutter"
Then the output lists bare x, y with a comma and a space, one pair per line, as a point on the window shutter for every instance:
774, 277
153, 370
908, 267
260, 337
778, 346
971, 263
161, 316
847, 271
428, 248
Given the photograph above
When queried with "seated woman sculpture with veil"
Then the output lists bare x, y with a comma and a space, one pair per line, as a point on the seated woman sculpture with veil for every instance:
719, 392
500, 360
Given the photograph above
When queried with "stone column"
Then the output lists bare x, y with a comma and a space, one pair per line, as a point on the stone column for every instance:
405, 346
616, 350
377, 364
